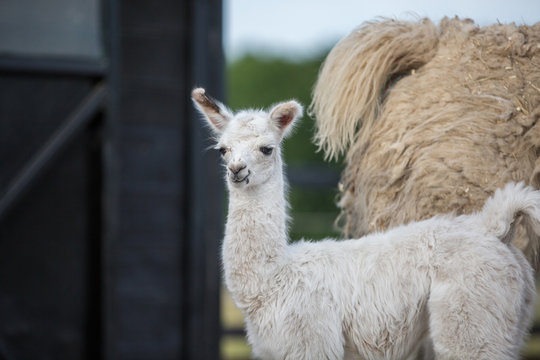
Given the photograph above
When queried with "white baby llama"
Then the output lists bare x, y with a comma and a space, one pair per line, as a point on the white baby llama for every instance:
456, 280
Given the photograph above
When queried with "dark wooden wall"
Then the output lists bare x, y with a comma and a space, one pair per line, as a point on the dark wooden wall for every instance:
110, 207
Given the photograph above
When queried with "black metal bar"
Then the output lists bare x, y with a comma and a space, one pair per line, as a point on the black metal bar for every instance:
535, 329
53, 66
234, 332
74, 124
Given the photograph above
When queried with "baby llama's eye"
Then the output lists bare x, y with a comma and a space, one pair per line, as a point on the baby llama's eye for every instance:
266, 150
222, 151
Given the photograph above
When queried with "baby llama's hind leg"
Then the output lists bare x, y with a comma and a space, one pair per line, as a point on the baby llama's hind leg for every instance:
312, 337
527, 300
476, 315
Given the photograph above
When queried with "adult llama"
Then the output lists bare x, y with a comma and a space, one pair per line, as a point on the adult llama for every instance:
431, 119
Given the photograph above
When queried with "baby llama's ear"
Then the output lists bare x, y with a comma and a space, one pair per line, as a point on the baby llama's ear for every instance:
285, 114
215, 113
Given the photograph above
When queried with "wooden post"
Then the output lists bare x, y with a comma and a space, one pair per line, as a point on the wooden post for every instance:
162, 193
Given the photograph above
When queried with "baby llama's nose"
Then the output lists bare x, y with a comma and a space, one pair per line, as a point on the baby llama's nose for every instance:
237, 167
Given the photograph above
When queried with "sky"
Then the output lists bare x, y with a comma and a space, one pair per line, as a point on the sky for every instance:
300, 28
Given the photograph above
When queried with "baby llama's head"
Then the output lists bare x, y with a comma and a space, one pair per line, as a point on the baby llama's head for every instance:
249, 141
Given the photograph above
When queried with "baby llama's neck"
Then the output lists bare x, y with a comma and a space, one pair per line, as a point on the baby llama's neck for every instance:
255, 239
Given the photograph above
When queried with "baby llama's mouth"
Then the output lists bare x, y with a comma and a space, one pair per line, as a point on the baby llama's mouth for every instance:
237, 180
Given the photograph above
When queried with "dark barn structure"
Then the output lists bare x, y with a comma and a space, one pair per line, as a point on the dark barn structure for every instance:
110, 205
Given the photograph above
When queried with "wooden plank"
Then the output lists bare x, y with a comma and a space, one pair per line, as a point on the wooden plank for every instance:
74, 125
47, 307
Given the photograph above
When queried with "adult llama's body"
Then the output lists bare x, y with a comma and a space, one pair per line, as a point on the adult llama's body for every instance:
458, 281
432, 118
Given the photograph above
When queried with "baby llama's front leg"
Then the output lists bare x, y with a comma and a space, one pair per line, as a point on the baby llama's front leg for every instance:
313, 330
